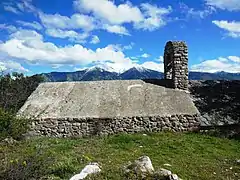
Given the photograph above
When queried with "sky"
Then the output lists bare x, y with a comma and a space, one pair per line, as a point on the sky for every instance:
39, 36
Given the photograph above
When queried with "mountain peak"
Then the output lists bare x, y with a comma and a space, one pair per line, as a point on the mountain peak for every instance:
100, 68
140, 68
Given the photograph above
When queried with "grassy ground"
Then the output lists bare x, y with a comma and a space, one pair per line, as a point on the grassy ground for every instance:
192, 156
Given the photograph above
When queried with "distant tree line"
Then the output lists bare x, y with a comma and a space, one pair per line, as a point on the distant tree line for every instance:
15, 88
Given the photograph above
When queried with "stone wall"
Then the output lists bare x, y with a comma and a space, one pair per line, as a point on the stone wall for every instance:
176, 64
71, 127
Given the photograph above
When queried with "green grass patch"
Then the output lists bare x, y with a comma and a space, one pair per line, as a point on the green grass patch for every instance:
192, 156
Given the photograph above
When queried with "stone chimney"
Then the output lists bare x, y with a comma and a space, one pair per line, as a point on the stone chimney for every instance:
176, 64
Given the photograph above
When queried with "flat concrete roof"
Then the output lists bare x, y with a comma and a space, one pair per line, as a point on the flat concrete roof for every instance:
106, 99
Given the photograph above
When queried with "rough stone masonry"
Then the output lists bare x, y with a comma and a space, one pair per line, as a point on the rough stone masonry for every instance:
66, 109
176, 64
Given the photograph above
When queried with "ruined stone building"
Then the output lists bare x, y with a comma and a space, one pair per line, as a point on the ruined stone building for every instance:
63, 109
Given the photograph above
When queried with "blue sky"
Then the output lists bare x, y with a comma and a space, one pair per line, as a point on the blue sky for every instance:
50, 35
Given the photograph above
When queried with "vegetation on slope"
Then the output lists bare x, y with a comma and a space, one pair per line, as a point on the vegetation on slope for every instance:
11, 126
15, 88
192, 156
218, 99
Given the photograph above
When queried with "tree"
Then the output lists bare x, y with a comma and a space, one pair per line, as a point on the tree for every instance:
15, 89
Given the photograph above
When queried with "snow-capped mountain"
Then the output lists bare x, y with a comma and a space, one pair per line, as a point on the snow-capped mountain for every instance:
136, 72
141, 73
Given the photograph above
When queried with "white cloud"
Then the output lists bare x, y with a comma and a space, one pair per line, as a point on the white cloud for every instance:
109, 12
29, 46
145, 55
234, 59
191, 12
26, 35
9, 28
160, 59
146, 17
154, 17
153, 66
230, 5
11, 66
233, 27
95, 40
11, 9
20, 6
69, 34
228, 64
76, 21
26, 6
116, 29
34, 24
128, 47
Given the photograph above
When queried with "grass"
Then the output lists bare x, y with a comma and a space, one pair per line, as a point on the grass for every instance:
192, 156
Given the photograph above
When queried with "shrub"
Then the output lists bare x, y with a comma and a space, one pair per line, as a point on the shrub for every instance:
15, 88
32, 166
11, 126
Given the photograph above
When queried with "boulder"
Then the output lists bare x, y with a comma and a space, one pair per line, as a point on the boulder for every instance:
142, 167
173, 177
238, 161
162, 174
9, 140
91, 168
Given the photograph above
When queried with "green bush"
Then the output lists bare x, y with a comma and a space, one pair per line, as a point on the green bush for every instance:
32, 166
11, 126
15, 88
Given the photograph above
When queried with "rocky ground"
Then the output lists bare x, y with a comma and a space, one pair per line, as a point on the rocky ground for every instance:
217, 101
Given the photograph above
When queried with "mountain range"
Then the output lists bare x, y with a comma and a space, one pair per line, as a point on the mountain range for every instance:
98, 73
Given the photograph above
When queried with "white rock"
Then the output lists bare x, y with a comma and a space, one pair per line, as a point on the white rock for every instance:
164, 172
169, 165
9, 140
140, 167
173, 177
92, 168
144, 164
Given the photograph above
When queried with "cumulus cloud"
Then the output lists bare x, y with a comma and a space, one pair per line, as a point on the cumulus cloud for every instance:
228, 64
146, 17
116, 29
9, 28
79, 21
129, 46
11, 66
153, 66
191, 12
154, 17
160, 59
145, 55
29, 45
109, 12
95, 40
230, 5
233, 28
20, 6
76, 21
234, 59
69, 34
98, 14
34, 24
11, 9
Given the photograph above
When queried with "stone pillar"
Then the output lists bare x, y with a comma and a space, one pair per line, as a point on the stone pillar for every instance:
176, 64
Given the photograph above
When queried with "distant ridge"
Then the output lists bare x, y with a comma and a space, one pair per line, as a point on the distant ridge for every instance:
99, 73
